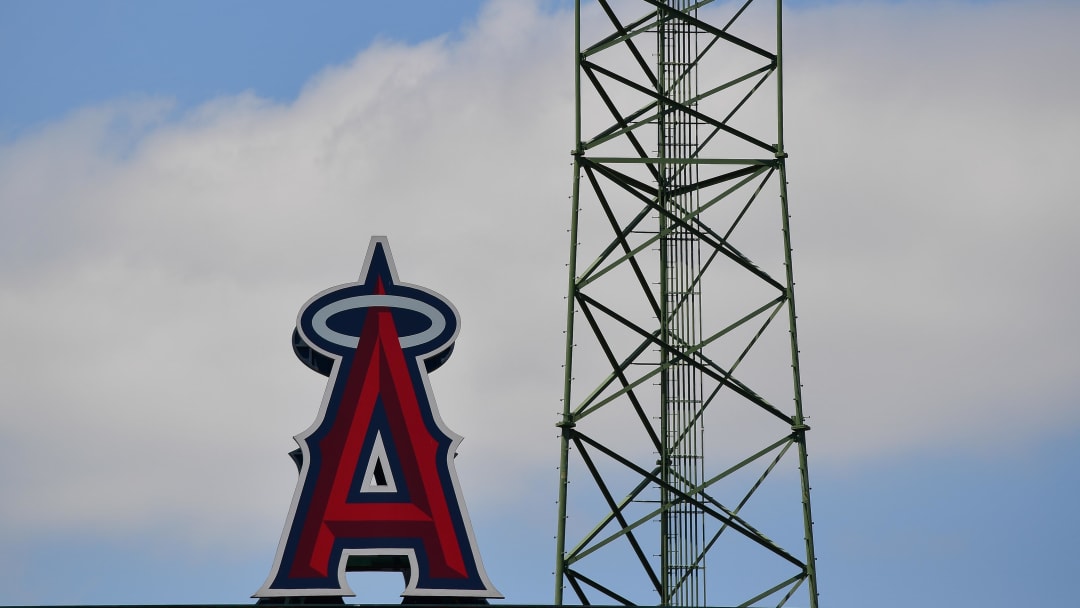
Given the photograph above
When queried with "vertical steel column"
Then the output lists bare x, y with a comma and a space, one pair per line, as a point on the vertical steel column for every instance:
566, 422
799, 427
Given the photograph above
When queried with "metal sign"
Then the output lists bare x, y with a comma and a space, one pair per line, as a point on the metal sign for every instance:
377, 488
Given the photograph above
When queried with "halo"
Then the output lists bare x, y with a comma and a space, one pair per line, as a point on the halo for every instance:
319, 320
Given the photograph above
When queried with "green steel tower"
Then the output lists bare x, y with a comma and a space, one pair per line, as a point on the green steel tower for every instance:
683, 467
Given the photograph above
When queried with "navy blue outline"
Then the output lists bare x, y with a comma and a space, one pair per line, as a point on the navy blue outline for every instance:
379, 422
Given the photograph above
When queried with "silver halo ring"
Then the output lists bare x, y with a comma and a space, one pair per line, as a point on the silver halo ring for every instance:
320, 318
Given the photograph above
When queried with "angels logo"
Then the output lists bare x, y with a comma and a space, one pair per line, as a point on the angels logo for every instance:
377, 488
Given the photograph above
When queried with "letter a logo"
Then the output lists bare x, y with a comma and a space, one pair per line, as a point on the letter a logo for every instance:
377, 487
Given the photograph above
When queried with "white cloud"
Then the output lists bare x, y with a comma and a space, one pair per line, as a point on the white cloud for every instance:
150, 274
935, 220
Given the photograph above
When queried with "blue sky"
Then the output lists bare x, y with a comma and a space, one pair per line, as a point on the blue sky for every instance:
62, 55
193, 172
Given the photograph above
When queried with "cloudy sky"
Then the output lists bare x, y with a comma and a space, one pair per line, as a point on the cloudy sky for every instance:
176, 179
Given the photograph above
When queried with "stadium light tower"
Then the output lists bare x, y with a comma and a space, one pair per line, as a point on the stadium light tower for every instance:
683, 467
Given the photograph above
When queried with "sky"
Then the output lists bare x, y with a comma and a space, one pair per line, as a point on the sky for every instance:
177, 179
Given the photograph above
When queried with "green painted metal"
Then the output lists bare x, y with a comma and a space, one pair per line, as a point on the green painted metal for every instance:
683, 469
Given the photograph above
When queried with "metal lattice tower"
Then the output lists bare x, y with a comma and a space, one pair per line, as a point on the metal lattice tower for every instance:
682, 427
